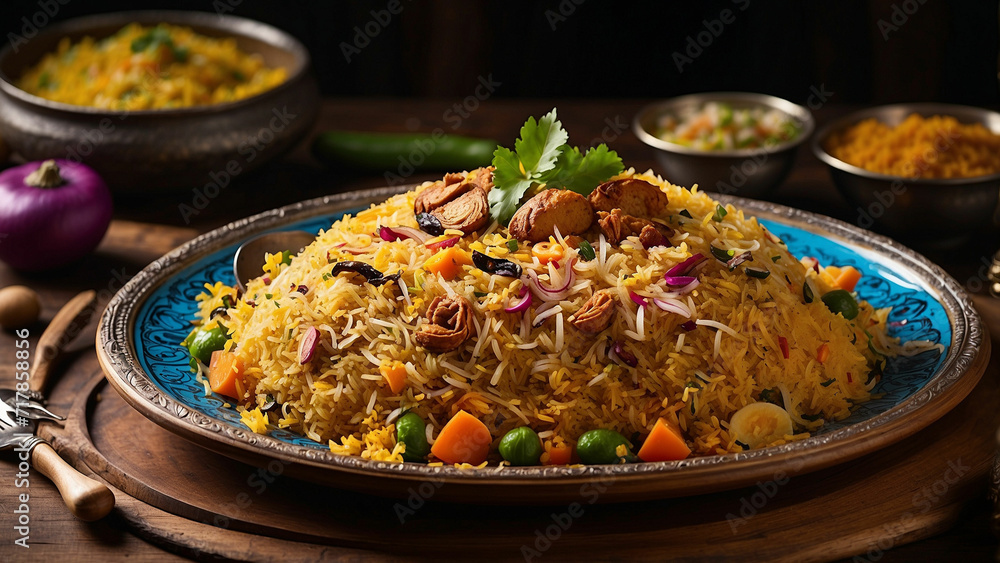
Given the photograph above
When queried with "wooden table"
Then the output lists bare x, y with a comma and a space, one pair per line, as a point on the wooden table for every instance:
146, 228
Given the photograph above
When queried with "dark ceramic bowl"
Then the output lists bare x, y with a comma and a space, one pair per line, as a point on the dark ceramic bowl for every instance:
165, 150
922, 211
752, 173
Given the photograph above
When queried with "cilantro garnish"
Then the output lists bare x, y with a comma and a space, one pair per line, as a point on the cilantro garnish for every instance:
720, 213
541, 156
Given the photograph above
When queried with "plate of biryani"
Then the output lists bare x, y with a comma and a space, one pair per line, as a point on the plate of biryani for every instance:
516, 331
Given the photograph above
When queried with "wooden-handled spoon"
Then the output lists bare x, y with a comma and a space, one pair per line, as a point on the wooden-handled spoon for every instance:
65, 327
86, 498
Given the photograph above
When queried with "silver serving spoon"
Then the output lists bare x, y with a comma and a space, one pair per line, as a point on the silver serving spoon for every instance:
249, 259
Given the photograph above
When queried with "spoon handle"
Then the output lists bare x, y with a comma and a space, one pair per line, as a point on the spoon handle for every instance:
86, 498
67, 325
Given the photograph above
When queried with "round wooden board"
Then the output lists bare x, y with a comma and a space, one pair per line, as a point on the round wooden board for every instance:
196, 502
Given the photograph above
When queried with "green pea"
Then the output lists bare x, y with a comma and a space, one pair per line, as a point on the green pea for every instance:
521, 446
841, 301
411, 430
599, 447
207, 341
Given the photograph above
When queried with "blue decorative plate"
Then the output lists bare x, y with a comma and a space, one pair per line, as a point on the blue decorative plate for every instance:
144, 323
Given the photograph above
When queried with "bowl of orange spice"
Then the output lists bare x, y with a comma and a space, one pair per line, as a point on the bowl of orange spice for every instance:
927, 173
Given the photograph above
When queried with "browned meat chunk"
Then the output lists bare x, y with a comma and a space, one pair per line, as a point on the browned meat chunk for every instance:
438, 194
596, 313
538, 218
482, 178
618, 226
448, 326
637, 198
468, 213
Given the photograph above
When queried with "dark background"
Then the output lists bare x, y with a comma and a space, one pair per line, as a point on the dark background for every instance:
864, 51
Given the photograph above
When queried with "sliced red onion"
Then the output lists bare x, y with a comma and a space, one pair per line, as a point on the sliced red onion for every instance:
688, 288
550, 293
639, 300
624, 355
307, 346
441, 244
685, 266
679, 281
390, 234
672, 306
524, 301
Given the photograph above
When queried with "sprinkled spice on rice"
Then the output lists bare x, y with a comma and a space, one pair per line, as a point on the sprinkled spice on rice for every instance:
646, 315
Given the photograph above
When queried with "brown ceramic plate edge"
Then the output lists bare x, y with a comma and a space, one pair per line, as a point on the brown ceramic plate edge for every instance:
958, 375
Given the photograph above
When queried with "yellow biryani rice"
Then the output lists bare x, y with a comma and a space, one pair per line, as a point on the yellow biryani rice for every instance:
551, 377
919, 147
141, 68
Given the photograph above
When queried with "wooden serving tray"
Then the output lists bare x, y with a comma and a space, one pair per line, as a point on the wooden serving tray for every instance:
198, 503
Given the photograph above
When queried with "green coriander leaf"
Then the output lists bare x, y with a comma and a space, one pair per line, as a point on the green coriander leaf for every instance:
512, 245
540, 143
509, 185
583, 173
720, 213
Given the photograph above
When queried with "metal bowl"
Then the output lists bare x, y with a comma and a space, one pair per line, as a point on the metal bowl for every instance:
749, 173
937, 212
138, 152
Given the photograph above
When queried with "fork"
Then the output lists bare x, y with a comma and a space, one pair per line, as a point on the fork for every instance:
86, 498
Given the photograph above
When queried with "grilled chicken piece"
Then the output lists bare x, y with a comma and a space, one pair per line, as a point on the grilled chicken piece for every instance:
448, 326
634, 197
596, 313
538, 218
468, 213
617, 226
